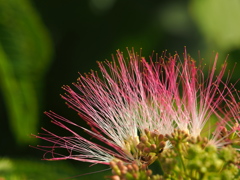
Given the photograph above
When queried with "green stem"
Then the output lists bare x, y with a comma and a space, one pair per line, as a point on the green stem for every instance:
179, 151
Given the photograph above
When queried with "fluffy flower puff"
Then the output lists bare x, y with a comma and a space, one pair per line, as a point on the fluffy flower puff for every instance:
131, 95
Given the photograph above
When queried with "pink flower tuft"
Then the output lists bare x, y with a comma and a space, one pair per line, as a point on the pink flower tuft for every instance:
132, 95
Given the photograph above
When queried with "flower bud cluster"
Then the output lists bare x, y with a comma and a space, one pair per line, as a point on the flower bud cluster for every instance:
178, 136
131, 171
193, 158
187, 158
210, 163
201, 141
151, 144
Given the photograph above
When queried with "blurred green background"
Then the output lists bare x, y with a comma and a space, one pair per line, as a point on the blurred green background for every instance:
44, 44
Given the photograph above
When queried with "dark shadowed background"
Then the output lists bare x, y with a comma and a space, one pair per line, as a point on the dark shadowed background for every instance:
44, 44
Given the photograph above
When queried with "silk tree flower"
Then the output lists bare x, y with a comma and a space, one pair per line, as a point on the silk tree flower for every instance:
132, 97
228, 129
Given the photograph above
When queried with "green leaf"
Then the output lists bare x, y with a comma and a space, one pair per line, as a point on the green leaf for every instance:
24, 57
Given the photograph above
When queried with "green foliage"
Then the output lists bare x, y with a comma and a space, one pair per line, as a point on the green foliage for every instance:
25, 51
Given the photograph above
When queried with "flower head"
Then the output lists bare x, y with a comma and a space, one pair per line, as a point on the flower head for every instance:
133, 103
